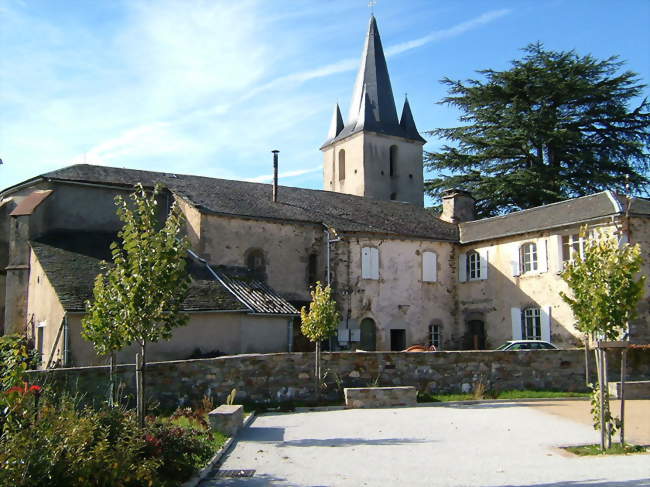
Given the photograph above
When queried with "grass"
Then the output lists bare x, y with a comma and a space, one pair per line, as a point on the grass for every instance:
616, 449
515, 394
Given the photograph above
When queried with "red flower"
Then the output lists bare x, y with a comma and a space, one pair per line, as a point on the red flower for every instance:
35, 389
15, 389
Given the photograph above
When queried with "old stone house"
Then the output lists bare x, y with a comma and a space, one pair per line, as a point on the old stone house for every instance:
400, 275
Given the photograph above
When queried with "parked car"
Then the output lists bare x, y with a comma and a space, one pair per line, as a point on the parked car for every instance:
527, 345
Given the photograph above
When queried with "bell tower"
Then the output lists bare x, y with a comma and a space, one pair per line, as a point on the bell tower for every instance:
374, 154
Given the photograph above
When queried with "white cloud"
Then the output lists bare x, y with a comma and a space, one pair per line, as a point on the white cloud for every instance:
287, 174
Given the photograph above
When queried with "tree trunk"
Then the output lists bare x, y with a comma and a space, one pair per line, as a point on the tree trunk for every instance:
605, 394
623, 365
587, 360
317, 370
601, 396
112, 400
139, 383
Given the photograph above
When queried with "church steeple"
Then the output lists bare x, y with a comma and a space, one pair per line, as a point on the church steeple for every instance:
374, 80
374, 154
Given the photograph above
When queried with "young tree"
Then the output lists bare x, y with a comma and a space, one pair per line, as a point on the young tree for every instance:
604, 296
141, 296
555, 125
319, 323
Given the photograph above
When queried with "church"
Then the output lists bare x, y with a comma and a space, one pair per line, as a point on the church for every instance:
400, 275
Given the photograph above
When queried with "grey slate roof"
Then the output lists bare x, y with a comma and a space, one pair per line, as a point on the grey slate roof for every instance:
563, 213
71, 262
344, 212
373, 107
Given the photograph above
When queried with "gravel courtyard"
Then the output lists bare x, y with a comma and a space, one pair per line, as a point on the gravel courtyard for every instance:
488, 444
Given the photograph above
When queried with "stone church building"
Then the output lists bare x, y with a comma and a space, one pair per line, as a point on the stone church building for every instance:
400, 275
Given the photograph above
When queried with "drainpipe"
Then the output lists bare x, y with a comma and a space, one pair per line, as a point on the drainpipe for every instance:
329, 241
66, 341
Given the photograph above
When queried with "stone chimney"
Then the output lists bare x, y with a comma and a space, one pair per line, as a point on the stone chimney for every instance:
457, 206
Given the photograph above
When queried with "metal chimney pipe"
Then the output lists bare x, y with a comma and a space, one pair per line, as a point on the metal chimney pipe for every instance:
275, 175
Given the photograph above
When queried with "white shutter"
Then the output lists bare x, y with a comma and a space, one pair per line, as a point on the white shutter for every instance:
542, 255
344, 335
365, 263
545, 318
374, 263
514, 259
483, 259
559, 260
516, 323
462, 267
429, 266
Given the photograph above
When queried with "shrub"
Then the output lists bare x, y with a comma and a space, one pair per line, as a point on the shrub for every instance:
16, 356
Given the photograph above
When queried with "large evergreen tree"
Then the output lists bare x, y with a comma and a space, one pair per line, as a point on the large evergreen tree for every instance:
555, 125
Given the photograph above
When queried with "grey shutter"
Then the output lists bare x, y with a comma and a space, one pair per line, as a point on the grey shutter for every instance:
429, 266
545, 318
515, 313
462, 267
374, 263
365, 263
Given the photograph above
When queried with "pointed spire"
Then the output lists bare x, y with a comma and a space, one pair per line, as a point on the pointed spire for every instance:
374, 80
366, 119
337, 123
408, 124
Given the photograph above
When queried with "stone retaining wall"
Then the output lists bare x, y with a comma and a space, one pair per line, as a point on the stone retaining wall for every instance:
284, 377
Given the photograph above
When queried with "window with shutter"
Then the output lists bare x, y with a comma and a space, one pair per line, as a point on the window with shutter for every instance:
369, 263
429, 266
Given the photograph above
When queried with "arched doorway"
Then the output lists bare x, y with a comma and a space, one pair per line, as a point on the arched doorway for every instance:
368, 335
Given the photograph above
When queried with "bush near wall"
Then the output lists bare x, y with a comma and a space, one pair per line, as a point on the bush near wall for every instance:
285, 377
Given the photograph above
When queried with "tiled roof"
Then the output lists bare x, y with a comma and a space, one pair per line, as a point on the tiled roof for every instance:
563, 213
344, 212
71, 263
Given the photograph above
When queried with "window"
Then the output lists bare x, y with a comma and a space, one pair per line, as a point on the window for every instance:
572, 246
392, 170
255, 261
531, 322
529, 257
397, 339
40, 340
393, 196
435, 338
370, 263
473, 266
429, 266
341, 165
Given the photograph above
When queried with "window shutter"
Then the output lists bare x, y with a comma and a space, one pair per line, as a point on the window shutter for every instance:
559, 262
622, 240
374, 263
365, 263
462, 267
515, 259
542, 255
483, 259
545, 318
429, 266
516, 323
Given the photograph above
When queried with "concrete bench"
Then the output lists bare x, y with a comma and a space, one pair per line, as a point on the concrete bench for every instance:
226, 419
379, 397
639, 389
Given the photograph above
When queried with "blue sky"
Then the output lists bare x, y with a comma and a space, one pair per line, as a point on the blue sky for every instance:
211, 87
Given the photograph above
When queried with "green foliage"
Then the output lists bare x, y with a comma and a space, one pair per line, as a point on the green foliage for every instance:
139, 295
74, 447
612, 423
604, 290
322, 319
555, 125
16, 356
616, 449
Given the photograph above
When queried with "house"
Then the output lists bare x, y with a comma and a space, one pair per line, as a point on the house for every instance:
400, 275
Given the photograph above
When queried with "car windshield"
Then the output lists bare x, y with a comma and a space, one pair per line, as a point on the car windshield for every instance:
504, 346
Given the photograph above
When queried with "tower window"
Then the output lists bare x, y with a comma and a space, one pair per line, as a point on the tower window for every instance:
392, 171
393, 196
341, 165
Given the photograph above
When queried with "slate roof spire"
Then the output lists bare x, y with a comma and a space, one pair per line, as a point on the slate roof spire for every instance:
374, 80
337, 123
373, 106
408, 124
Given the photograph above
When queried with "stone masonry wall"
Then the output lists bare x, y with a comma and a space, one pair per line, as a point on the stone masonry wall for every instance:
283, 377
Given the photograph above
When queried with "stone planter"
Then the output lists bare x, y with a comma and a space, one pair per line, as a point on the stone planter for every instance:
227, 419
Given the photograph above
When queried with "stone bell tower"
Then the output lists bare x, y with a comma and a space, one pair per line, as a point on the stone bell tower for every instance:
374, 154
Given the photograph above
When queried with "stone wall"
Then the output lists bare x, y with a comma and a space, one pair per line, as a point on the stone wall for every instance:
283, 377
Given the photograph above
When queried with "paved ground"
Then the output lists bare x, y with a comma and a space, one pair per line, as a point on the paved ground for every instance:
505, 444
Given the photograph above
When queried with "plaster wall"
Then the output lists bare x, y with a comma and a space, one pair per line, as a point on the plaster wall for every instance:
44, 308
192, 222
491, 300
286, 248
639, 232
399, 299
228, 333
367, 168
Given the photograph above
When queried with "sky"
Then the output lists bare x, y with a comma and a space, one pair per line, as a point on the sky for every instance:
210, 87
